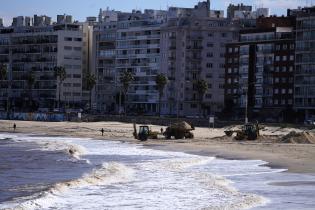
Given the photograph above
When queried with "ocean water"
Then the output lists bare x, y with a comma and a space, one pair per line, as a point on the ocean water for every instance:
38, 172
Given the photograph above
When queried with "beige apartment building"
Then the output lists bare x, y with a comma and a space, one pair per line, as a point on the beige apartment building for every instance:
192, 49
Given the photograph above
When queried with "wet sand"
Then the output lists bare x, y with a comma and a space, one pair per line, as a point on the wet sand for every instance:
297, 158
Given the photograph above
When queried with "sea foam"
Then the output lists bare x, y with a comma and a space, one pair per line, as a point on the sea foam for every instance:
107, 174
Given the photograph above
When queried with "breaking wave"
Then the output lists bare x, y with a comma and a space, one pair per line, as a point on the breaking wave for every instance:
108, 173
222, 186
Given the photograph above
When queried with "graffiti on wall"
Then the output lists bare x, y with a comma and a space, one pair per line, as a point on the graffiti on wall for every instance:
54, 117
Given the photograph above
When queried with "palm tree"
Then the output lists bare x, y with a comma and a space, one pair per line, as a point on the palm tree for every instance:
161, 81
61, 75
30, 79
90, 83
202, 87
3, 74
125, 80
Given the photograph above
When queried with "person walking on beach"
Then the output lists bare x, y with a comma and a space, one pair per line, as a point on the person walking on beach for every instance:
102, 130
14, 127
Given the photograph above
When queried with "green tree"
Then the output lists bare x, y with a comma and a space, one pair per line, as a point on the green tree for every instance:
61, 75
90, 84
3, 75
161, 81
125, 79
202, 87
30, 80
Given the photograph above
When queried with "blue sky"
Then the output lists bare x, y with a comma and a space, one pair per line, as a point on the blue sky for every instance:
83, 8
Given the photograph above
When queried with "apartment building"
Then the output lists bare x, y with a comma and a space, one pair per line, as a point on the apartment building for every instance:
260, 67
34, 51
127, 42
138, 51
232, 9
104, 53
304, 94
192, 49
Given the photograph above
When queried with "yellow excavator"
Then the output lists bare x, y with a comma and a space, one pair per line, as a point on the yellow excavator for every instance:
144, 133
249, 131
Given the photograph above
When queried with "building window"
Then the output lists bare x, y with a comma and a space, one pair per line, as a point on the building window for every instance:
275, 91
193, 106
283, 91
284, 47
76, 75
76, 94
209, 65
67, 48
209, 54
284, 58
229, 70
290, 91
291, 68
275, 102
277, 58
291, 57
208, 96
77, 39
68, 39
278, 47
209, 44
208, 76
283, 80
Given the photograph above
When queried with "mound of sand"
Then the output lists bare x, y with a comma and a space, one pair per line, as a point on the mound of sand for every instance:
299, 138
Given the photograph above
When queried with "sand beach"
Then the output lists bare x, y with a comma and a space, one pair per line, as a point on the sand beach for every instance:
296, 157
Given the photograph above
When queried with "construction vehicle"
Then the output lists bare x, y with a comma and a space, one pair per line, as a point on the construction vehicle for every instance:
179, 131
249, 131
144, 133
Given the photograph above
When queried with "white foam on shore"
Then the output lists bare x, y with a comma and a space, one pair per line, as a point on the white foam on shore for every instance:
109, 173
165, 180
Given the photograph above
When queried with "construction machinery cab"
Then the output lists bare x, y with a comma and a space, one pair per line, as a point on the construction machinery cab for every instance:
143, 134
251, 131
